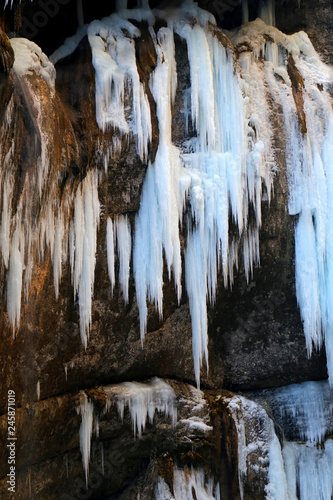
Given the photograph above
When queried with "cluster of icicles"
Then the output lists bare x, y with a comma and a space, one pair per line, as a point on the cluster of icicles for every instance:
220, 171
143, 400
302, 465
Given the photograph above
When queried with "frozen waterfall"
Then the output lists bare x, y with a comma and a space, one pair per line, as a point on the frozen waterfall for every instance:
214, 180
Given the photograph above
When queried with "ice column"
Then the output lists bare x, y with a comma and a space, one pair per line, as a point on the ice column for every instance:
163, 194
123, 232
86, 409
114, 60
86, 219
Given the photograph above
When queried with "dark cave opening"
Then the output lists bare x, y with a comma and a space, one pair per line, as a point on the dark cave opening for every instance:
49, 22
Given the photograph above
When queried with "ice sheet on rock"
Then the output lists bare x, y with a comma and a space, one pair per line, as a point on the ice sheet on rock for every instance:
277, 487
187, 483
310, 185
143, 401
197, 423
308, 161
258, 447
30, 58
314, 473
69, 45
304, 411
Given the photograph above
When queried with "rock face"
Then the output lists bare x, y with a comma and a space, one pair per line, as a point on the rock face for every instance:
256, 337
120, 461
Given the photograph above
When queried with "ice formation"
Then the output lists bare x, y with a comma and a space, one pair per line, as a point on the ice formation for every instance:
114, 60
223, 167
210, 169
223, 171
267, 11
110, 252
188, 483
309, 136
306, 410
303, 465
199, 419
86, 410
293, 469
309, 470
257, 438
123, 234
143, 401
29, 58
86, 219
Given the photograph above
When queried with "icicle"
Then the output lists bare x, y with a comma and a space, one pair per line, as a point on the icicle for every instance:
86, 410
6, 219
14, 282
114, 60
304, 409
143, 401
38, 390
86, 219
202, 92
123, 232
110, 251
57, 252
225, 164
267, 11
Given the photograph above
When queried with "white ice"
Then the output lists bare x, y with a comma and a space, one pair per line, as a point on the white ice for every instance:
186, 483
305, 409
86, 220
143, 401
110, 251
29, 58
14, 281
123, 235
86, 410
